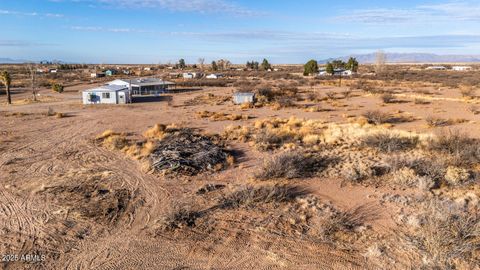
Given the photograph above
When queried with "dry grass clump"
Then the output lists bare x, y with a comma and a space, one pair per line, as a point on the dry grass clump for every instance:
251, 196
448, 237
388, 98
269, 134
420, 101
377, 117
216, 116
467, 92
113, 140
290, 165
207, 99
357, 172
474, 109
339, 227
390, 142
423, 172
433, 121
178, 217
158, 131
459, 147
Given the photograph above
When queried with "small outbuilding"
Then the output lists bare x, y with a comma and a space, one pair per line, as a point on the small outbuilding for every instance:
214, 76
243, 97
107, 94
461, 68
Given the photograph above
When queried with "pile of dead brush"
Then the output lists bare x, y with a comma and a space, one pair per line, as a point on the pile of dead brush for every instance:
189, 153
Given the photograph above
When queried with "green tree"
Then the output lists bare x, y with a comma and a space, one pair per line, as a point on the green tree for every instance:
266, 65
311, 67
214, 66
57, 87
330, 69
338, 64
7, 81
181, 63
352, 64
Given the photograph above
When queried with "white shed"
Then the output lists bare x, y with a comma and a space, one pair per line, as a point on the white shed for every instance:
461, 68
214, 76
241, 98
107, 94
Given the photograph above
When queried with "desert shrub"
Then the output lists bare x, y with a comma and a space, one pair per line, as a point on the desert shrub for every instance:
474, 109
467, 92
331, 95
50, 112
420, 101
390, 142
356, 172
388, 98
283, 102
347, 93
290, 165
251, 196
377, 117
447, 236
433, 169
268, 140
433, 121
461, 149
57, 87
267, 93
333, 227
179, 216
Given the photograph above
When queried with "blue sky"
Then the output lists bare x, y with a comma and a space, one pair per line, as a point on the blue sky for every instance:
284, 31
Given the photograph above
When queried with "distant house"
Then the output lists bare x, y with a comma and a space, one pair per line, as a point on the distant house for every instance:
336, 72
436, 68
191, 75
53, 70
144, 86
110, 72
148, 68
242, 98
97, 75
343, 72
461, 68
107, 94
214, 76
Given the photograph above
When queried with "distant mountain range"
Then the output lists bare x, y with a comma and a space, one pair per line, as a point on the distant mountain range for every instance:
11, 61
21, 61
411, 58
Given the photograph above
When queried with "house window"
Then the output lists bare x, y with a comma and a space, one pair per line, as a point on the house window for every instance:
106, 95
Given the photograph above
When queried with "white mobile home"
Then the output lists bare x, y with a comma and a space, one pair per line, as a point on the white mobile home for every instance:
461, 68
107, 94
144, 86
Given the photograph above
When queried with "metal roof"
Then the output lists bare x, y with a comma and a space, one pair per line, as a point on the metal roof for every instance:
146, 82
245, 94
107, 88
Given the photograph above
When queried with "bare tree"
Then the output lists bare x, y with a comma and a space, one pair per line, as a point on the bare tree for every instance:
380, 60
32, 68
201, 63
7, 81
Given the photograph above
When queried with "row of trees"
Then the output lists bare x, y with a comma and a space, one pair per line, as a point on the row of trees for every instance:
221, 64
311, 67
256, 66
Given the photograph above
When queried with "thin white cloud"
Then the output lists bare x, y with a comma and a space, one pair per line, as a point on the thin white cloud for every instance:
197, 6
443, 12
113, 30
32, 14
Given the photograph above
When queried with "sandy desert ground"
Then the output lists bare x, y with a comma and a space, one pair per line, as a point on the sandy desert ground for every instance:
73, 199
